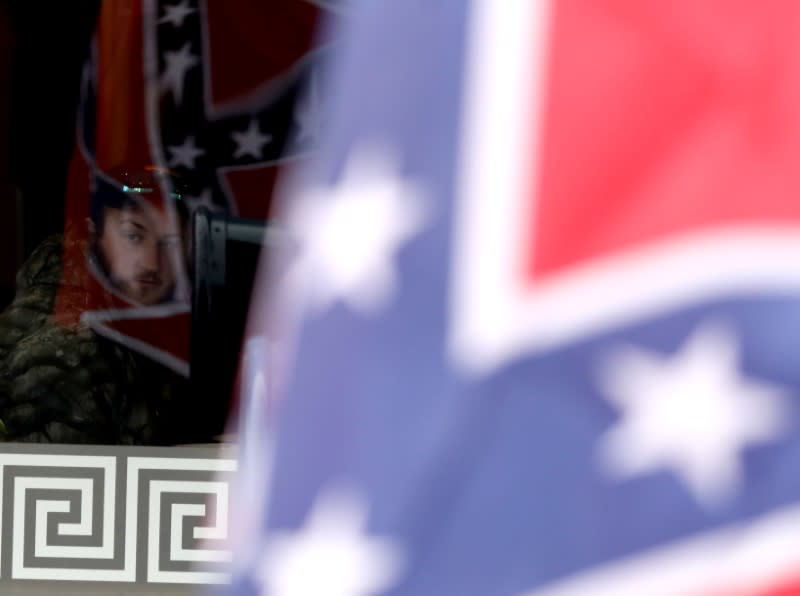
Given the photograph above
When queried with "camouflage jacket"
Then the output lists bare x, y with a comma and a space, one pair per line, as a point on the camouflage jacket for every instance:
69, 385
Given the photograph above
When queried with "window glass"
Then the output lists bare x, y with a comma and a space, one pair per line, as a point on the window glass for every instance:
140, 143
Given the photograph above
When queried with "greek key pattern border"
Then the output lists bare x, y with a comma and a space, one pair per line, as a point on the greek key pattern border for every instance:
111, 514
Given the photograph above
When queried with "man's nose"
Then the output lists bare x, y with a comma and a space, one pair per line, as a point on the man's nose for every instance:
149, 257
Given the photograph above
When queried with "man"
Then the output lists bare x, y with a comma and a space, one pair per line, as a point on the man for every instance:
136, 240
64, 383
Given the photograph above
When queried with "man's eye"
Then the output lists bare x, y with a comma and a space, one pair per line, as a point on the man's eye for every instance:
134, 237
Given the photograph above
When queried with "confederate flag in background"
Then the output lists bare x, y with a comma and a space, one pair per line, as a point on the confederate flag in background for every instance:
201, 100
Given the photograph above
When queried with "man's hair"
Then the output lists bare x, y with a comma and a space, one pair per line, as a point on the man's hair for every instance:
109, 198
107, 195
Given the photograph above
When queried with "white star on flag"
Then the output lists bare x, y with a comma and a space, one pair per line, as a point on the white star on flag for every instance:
204, 199
177, 64
185, 153
176, 13
330, 554
350, 233
692, 412
250, 142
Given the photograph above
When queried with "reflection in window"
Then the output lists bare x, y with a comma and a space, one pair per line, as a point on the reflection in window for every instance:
122, 318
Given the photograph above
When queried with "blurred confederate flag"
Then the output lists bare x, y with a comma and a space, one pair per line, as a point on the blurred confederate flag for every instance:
548, 284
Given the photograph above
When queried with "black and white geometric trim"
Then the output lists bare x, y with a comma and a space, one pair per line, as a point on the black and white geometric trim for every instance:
103, 514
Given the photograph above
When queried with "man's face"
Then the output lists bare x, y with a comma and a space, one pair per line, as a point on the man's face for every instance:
141, 251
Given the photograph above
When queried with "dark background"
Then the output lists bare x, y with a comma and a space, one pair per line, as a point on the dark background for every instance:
42, 47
